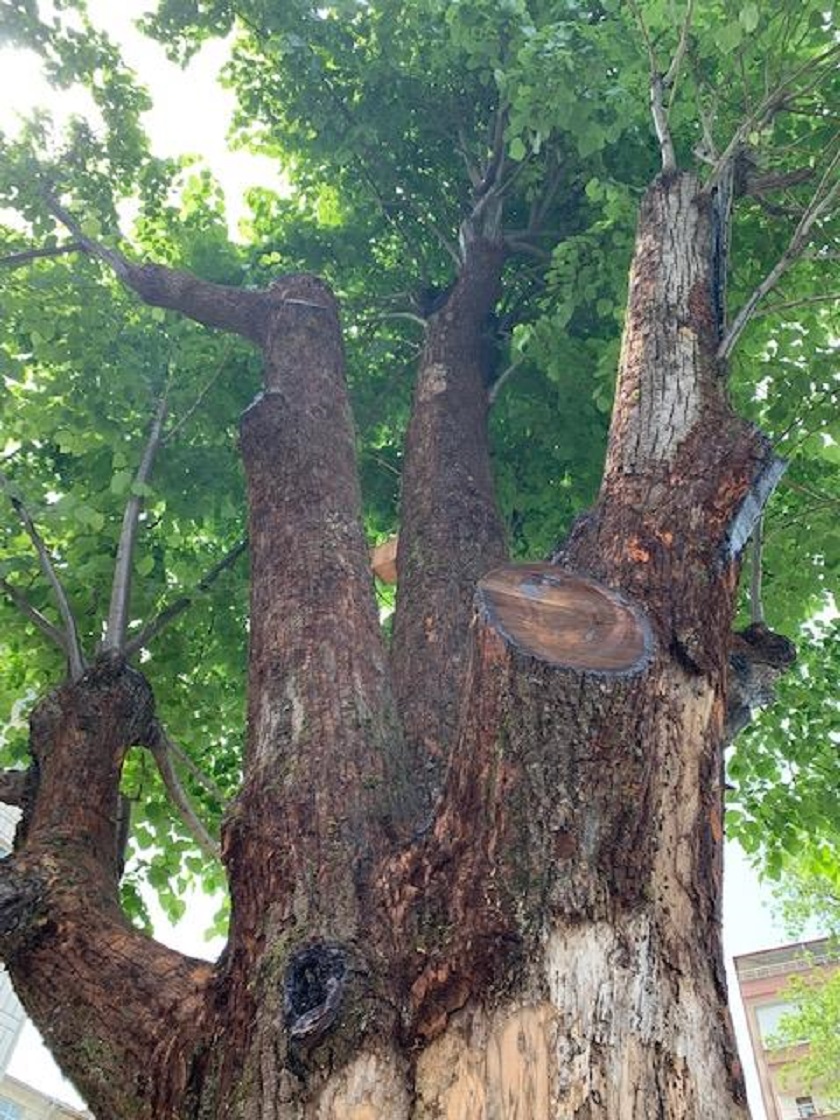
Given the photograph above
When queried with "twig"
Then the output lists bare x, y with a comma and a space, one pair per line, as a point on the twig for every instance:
15, 260
72, 645
199, 400
176, 608
820, 203
756, 605
770, 309
160, 748
505, 376
657, 97
772, 103
195, 771
34, 615
121, 588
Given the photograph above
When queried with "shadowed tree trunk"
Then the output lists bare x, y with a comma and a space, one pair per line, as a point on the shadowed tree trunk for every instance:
547, 944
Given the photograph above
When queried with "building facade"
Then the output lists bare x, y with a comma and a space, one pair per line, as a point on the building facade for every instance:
763, 979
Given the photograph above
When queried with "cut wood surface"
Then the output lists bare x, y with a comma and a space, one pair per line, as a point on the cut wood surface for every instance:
564, 618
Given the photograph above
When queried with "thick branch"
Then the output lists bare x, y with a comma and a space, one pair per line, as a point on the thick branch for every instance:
70, 638
175, 609
214, 305
92, 983
450, 531
121, 588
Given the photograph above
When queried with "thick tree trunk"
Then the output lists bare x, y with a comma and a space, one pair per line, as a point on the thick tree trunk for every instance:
549, 945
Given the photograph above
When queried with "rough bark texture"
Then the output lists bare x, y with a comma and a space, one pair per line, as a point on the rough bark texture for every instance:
547, 944
451, 532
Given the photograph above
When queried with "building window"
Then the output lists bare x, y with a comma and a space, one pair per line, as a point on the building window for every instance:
769, 1018
805, 1106
9, 1110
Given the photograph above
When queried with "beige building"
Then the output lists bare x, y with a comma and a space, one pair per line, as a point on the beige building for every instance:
763, 978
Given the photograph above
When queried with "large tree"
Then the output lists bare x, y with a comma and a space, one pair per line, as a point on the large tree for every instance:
474, 859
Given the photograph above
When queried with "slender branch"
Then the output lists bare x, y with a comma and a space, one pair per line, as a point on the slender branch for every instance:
121, 587
15, 260
505, 376
788, 305
12, 787
54, 634
199, 400
756, 605
177, 608
519, 245
657, 98
111, 257
822, 200
194, 771
772, 103
670, 79
160, 748
72, 645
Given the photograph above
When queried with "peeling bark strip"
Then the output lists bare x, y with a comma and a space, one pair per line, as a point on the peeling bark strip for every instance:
564, 619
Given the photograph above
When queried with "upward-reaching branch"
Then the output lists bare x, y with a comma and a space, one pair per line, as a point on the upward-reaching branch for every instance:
71, 644
821, 202
121, 588
176, 608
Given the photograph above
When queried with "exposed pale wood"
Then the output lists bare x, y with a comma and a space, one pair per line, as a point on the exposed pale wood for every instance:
564, 618
383, 560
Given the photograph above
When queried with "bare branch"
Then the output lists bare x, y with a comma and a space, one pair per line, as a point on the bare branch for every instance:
121, 588
821, 202
657, 97
199, 400
160, 749
194, 771
72, 645
111, 257
15, 260
177, 608
34, 615
12, 787
776, 100
670, 79
500, 381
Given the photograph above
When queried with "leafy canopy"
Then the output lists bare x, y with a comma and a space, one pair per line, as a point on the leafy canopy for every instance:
380, 117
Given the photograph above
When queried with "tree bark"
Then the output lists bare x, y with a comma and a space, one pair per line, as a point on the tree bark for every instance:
451, 532
549, 943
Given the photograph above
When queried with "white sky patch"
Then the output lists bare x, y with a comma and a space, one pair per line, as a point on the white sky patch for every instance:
192, 114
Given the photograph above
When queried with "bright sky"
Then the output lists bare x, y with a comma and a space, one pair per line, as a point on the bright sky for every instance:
192, 114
